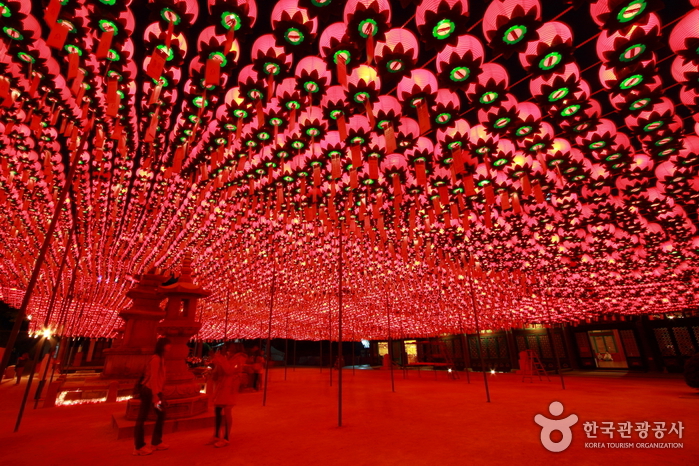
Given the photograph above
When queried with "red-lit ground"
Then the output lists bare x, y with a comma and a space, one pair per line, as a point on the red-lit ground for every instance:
425, 422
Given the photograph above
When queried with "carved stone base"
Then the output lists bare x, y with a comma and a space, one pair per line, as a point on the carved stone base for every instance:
125, 363
176, 409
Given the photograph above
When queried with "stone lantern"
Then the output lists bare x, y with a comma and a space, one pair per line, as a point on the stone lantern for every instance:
181, 390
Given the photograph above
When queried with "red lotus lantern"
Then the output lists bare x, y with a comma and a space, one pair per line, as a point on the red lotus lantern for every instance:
458, 65
418, 91
292, 24
336, 45
396, 54
367, 20
509, 25
441, 22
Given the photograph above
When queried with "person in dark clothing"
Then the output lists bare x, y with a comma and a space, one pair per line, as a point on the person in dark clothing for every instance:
19, 366
151, 393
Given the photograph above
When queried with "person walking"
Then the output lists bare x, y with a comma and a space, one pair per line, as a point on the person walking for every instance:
19, 366
258, 368
151, 395
226, 378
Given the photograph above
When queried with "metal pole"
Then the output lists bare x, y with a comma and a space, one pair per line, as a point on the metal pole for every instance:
330, 338
353, 349
321, 356
39, 349
49, 311
286, 346
269, 332
390, 342
225, 328
67, 184
293, 359
464, 338
478, 341
339, 335
463, 350
553, 344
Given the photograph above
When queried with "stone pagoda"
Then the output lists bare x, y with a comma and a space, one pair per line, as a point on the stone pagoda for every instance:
128, 359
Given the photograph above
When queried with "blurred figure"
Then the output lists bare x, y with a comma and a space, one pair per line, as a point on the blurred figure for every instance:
151, 395
257, 365
226, 378
19, 366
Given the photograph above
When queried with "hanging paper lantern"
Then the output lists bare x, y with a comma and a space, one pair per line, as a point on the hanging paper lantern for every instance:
555, 87
269, 59
251, 88
387, 112
684, 38
618, 14
367, 21
455, 136
460, 64
441, 22
446, 108
234, 18
363, 86
509, 25
538, 141
396, 54
686, 72
336, 45
491, 86
627, 78
418, 91
312, 75
335, 107
499, 119
629, 46
552, 51
408, 132
292, 24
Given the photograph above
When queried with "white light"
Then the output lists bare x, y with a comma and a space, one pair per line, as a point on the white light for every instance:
47, 333
365, 343
492, 371
449, 370
29, 317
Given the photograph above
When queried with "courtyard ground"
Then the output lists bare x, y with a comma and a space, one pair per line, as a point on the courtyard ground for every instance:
425, 422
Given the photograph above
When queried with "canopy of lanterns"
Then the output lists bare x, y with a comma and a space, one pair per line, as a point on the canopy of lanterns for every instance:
514, 160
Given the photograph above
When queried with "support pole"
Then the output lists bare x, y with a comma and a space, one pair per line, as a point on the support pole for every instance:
553, 344
293, 360
390, 342
286, 346
49, 311
37, 351
464, 344
353, 349
225, 328
67, 184
478, 331
269, 331
339, 334
330, 338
